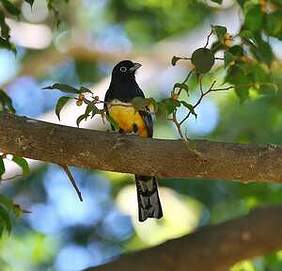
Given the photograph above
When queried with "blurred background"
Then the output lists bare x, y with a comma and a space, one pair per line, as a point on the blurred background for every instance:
92, 37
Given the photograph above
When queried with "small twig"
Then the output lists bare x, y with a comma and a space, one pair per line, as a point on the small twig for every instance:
178, 125
203, 94
201, 85
72, 180
222, 89
185, 80
208, 39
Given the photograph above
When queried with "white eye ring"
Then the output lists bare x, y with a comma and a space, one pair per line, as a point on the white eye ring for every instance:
123, 69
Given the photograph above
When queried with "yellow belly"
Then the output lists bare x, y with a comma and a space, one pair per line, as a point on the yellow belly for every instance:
126, 117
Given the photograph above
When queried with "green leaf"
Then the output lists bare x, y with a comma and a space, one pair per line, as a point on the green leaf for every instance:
140, 103
10, 7
85, 90
64, 88
91, 108
5, 44
242, 92
5, 219
22, 163
5, 29
220, 31
190, 107
242, 79
247, 37
60, 104
268, 88
273, 25
262, 51
236, 50
174, 60
229, 59
96, 111
6, 202
217, 1
181, 86
31, 2
113, 123
6, 102
254, 18
2, 167
80, 119
217, 46
167, 107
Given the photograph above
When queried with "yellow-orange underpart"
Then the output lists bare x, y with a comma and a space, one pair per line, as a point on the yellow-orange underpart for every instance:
125, 117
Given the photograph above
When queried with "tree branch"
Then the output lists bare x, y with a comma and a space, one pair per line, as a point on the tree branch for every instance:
213, 248
114, 152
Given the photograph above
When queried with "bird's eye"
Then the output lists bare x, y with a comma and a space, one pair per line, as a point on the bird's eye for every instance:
123, 69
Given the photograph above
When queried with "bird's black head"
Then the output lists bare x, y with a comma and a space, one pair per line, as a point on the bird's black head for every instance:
125, 69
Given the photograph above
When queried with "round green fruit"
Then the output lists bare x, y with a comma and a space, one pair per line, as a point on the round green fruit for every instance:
203, 60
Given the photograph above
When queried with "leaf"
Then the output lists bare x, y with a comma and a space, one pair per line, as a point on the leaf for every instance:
181, 86
167, 107
174, 60
22, 163
140, 103
2, 167
31, 2
268, 88
254, 18
60, 104
85, 90
262, 51
80, 119
113, 123
5, 44
5, 219
236, 50
229, 59
217, 1
217, 46
273, 25
6, 202
10, 7
96, 111
220, 31
5, 29
64, 88
6, 102
248, 37
242, 79
190, 107
91, 108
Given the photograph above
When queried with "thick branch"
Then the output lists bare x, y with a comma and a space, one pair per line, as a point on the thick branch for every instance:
111, 151
214, 248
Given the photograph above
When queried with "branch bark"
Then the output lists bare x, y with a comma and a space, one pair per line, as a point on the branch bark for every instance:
114, 152
214, 248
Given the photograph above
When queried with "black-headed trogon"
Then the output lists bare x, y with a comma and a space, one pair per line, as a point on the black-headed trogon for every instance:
123, 88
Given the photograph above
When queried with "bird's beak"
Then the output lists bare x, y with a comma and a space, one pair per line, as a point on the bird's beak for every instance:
135, 67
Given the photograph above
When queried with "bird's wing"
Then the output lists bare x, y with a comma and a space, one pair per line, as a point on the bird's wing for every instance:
147, 118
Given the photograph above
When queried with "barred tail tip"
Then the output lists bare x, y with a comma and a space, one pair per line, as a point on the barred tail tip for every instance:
149, 204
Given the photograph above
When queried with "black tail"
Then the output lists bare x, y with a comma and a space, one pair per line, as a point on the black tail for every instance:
149, 204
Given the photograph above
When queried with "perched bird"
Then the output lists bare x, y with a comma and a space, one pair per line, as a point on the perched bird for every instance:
119, 109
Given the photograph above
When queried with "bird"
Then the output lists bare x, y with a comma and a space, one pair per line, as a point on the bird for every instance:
120, 111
